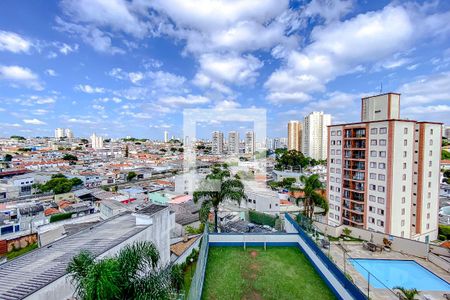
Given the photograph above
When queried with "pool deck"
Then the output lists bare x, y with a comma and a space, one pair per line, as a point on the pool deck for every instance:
355, 250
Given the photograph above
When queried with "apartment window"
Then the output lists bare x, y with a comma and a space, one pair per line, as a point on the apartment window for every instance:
372, 198
338, 143
332, 160
338, 180
431, 153
403, 223
382, 142
429, 174
331, 206
333, 143
372, 187
430, 163
338, 189
371, 220
381, 188
333, 133
373, 164
405, 142
405, 154
404, 165
373, 153
431, 131
405, 130
380, 200
331, 170
331, 188
380, 211
337, 208
338, 199
373, 131
339, 132
428, 215
431, 142
338, 152
403, 188
373, 176
428, 205
429, 184
336, 217
429, 195
381, 166
382, 153
381, 177
332, 151
332, 179
338, 171
373, 142
402, 234
404, 177
371, 209
331, 197
403, 200
383, 130
331, 215
338, 161
380, 223
403, 211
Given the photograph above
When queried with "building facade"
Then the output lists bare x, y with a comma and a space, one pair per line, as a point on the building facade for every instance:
315, 135
217, 142
233, 142
294, 139
383, 172
249, 142
96, 141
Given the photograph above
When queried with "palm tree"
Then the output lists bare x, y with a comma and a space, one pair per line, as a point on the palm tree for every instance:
131, 274
217, 187
409, 294
311, 196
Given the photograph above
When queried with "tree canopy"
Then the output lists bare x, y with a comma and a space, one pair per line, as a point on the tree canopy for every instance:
70, 157
59, 184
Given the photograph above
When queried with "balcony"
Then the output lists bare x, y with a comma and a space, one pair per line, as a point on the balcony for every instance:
355, 133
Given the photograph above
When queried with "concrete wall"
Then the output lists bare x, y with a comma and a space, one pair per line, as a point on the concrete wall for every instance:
181, 259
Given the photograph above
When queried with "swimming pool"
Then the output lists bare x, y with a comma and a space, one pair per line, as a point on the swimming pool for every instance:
404, 273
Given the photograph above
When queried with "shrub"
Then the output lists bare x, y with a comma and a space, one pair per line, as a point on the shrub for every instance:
346, 231
59, 217
445, 230
442, 237
261, 218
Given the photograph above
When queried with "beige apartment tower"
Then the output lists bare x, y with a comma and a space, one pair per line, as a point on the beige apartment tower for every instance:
217, 142
383, 172
233, 142
295, 129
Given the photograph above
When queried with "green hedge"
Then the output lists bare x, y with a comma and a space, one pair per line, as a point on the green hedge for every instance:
445, 231
261, 218
59, 217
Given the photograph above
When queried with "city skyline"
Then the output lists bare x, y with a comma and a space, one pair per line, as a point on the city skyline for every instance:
130, 69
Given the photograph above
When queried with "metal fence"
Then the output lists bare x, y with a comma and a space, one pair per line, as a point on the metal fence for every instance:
195, 291
372, 285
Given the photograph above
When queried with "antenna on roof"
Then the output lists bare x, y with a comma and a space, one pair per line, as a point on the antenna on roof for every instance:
381, 87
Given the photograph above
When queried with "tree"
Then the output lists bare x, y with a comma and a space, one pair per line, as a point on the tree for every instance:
70, 157
8, 157
445, 155
446, 173
127, 151
84, 141
291, 159
76, 181
133, 273
409, 294
18, 137
217, 187
131, 175
311, 196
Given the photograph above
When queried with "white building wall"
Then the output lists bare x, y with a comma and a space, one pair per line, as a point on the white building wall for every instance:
335, 176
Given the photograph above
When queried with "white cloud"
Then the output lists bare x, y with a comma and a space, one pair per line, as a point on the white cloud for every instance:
41, 100
40, 111
66, 49
184, 100
80, 121
296, 97
328, 10
227, 104
33, 122
86, 88
341, 48
17, 75
51, 72
98, 107
10, 41
426, 89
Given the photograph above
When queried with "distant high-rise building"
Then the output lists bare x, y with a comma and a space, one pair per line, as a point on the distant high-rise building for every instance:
294, 141
68, 133
447, 132
383, 172
249, 142
282, 143
233, 142
166, 136
315, 135
59, 133
96, 141
217, 142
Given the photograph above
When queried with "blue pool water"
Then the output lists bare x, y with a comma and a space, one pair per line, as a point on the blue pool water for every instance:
404, 273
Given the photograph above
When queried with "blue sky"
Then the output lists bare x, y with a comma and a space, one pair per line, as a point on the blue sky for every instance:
118, 67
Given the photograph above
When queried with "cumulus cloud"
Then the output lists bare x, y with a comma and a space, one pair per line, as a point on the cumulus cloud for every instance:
33, 122
86, 88
10, 41
50, 72
184, 100
20, 76
426, 89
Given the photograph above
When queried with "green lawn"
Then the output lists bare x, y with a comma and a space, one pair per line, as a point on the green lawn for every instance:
255, 273
16, 253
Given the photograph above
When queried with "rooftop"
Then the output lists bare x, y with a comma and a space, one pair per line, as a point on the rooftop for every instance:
29, 273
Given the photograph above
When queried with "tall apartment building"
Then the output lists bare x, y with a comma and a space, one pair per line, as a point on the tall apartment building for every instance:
447, 132
166, 136
315, 135
59, 133
217, 142
233, 142
96, 141
294, 139
249, 142
68, 133
383, 172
